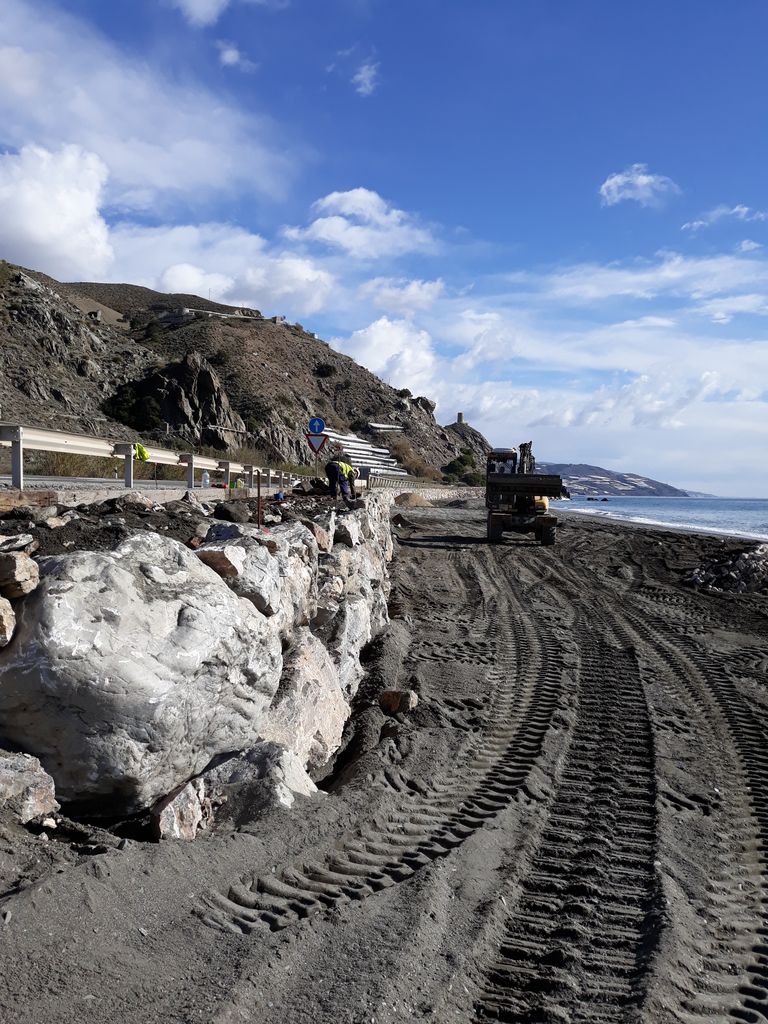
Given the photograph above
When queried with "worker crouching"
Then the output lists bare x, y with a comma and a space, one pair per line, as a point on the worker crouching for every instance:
341, 480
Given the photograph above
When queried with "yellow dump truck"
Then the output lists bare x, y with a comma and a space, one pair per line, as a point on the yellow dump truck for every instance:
517, 497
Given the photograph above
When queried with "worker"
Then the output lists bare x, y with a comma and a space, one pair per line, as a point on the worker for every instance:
341, 478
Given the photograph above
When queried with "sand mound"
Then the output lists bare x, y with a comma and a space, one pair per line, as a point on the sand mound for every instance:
410, 500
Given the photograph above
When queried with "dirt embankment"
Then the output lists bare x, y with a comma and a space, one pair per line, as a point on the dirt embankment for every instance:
569, 826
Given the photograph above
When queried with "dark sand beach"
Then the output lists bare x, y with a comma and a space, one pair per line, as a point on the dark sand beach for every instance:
569, 827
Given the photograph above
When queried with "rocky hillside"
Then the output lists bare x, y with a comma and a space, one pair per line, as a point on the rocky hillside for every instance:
593, 480
119, 360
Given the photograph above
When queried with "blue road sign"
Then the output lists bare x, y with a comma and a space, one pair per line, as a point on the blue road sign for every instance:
316, 425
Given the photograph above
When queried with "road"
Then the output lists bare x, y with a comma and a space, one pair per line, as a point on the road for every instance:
570, 827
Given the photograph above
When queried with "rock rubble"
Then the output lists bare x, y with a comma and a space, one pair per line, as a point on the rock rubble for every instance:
746, 572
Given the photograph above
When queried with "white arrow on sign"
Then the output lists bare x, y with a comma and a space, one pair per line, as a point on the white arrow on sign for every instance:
316, 441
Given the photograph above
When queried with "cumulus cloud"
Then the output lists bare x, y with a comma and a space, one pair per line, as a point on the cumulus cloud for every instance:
61, 81
366, 78
639, 185
739, 212
236, 266
397, 351
50, 211
747, 245
230, 56
399, 295
363, 224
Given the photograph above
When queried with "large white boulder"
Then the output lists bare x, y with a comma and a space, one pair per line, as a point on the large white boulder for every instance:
26, 791
308, 713
277, 572
129, 670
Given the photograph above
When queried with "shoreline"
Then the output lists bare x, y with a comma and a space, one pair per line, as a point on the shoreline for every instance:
634, 524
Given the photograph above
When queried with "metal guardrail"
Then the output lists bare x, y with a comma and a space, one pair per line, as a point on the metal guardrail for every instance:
18, 438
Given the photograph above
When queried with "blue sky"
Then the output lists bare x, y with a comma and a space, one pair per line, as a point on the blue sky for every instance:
550, 215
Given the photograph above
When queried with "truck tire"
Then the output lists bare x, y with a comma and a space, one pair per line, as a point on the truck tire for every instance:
547, 535
495, 532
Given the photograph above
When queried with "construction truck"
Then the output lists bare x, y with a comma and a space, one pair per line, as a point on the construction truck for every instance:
517, 498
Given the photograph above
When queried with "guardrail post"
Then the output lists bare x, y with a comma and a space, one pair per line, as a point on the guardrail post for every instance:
127, 451
269, 477
227, 474
188, 458
16, 436
249, 475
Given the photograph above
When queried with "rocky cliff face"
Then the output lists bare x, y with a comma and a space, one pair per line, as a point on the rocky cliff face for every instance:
214, 376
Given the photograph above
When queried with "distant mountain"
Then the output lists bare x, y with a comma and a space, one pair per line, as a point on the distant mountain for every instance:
594, 480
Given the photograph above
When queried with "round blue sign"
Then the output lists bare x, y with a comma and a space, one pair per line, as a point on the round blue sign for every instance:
316, 425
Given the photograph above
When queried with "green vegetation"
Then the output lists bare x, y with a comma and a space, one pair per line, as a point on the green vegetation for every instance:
134, 409
410, 461
463, 469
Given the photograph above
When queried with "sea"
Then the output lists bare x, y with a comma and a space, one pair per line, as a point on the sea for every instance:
732, 517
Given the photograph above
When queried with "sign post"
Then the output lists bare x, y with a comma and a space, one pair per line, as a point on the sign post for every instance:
316, 439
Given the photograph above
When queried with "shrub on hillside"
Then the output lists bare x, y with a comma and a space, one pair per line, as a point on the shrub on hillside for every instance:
325, 370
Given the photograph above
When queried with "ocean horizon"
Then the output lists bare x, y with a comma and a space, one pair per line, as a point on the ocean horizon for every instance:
728, 517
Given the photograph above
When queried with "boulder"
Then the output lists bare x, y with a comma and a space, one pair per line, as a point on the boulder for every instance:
7, 622
348, 634
395, 701
26, 791
232, 512
308, 713
236, 789
347, 531
322, 530
131, 669
17, 542
19, 574
181, 814
249, 570
258, 779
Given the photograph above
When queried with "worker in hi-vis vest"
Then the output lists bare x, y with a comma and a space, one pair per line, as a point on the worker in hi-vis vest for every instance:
341, 478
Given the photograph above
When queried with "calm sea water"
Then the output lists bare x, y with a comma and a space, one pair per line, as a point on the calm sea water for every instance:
742, 517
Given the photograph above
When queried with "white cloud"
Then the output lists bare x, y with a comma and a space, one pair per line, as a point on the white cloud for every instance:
49, 211
638, 184
399, 295
200, 13
61, 81
397, 351
747, 245
722, 310
366, 78
235, 265
672, 274
230, 56
742, 213
363, 224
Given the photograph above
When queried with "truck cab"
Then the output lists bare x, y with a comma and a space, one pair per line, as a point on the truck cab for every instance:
517, 498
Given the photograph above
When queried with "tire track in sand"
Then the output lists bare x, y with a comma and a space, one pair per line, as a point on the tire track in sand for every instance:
426, 825
722, 713
577, 943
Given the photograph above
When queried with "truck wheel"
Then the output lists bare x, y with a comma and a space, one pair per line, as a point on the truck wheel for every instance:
547, 535
495, 531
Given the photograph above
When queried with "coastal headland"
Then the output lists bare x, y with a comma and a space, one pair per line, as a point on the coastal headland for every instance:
563, 821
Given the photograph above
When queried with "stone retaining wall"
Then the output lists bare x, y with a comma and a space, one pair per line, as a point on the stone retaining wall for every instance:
131, 670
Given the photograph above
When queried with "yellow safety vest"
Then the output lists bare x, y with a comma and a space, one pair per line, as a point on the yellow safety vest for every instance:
345, 468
